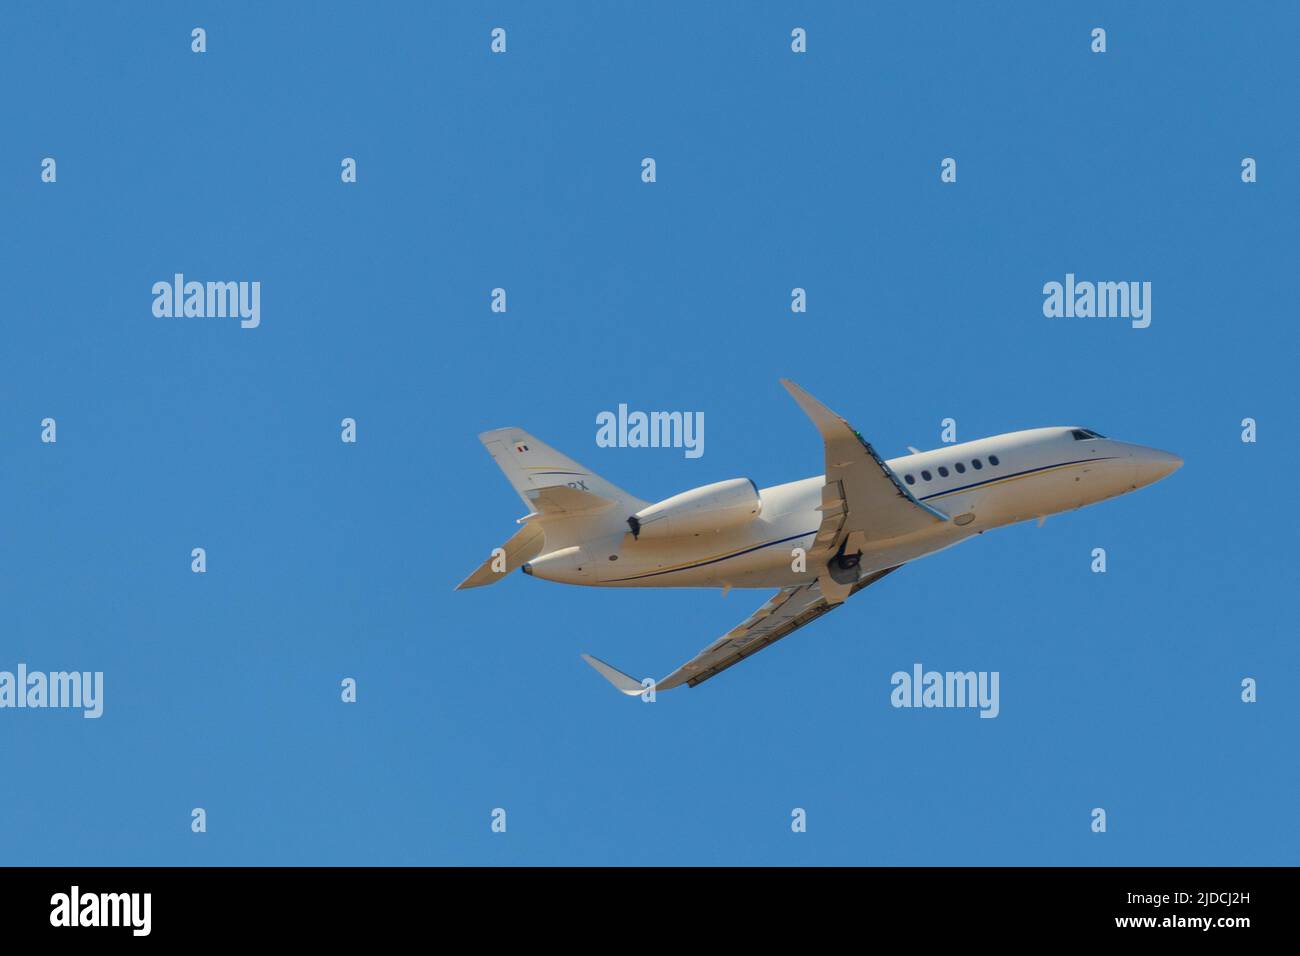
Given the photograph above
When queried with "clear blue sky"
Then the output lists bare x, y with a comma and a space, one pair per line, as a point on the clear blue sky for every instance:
821, 171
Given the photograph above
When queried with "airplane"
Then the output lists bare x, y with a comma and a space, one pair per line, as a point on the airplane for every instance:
819, 540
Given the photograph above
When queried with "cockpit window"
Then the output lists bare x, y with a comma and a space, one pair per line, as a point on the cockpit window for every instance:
1083, 434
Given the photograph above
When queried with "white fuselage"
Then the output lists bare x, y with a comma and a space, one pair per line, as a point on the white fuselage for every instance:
979, 485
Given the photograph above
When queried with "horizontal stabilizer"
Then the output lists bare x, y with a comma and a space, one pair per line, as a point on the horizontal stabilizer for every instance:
562, 500
524, 545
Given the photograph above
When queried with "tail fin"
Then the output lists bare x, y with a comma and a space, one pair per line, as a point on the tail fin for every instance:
531, 465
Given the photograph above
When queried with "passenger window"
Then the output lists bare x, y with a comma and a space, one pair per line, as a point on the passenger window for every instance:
943, 472
909, 479
977, 464
993, 459
925, 475
961, 469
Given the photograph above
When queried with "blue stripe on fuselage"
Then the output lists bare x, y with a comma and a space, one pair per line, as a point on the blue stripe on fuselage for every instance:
1014, 474
725, 557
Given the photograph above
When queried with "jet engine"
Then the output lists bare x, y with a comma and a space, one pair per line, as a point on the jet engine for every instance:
704, 510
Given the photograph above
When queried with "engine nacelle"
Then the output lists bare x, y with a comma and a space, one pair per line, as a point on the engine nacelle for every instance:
716, 507
567, 565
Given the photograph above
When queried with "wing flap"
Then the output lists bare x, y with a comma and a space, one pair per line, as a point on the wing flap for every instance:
784, 613
802, 606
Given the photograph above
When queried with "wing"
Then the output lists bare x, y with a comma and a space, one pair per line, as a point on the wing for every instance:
787, 611
862, 501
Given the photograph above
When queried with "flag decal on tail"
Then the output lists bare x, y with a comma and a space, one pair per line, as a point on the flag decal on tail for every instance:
521, 448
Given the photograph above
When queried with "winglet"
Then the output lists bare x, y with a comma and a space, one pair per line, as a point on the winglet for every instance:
628, 685
821, 416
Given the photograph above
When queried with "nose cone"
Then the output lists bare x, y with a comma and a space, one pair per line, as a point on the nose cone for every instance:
1153, 464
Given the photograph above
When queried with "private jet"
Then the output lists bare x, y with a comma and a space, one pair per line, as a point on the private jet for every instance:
818, 541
